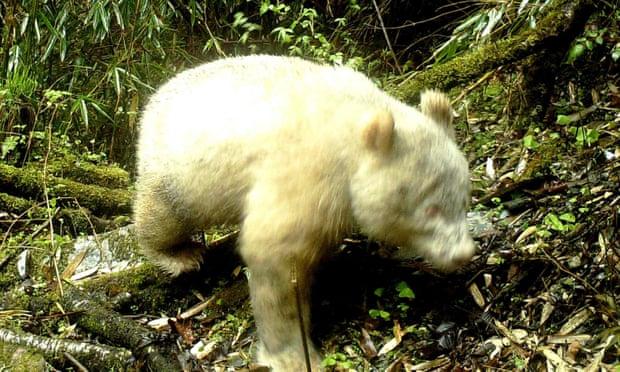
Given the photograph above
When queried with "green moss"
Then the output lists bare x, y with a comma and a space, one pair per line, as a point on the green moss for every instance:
19, 359
71, 167
28, 181
8, 273
144, 281
13, 204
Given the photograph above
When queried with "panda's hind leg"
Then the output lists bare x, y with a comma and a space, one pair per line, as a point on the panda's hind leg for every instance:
164, 234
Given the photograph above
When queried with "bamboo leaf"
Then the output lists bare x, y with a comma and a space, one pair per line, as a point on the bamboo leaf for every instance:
101, 111
50, 46
63, 17
63, 45
37, 30
53, 38
522, 6
494, 17
84, 112
118, 15
117, 82
24, 25
14, 58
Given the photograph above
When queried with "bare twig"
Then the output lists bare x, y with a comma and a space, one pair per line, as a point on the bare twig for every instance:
135, 337
424, 21
566, 271
301, 319
474, 85
17, 219
216, 43
80, 367
387, 39
48, 207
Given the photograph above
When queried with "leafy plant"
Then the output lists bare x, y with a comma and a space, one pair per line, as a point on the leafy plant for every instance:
584, 136
592, 38
132, 46
337, 360
9, 144
377, 313
401, 295
404, 291
530, 143
562, 223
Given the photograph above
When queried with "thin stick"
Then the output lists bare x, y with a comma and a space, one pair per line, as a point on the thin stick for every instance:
216, 43
473, 86
387, 39
80, 367
566, 271
47, 205
300, 317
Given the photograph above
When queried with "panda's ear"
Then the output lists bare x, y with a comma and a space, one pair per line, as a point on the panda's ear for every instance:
436, 105
378, 131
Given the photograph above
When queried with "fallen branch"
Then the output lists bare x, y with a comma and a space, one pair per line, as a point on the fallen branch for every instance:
94, 317
97, 357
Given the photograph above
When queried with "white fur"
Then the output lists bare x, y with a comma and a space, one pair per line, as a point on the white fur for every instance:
298, 153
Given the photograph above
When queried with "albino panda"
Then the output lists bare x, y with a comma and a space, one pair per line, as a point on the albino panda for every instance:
297, 153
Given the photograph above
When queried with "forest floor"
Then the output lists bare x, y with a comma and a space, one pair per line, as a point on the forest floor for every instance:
542, 292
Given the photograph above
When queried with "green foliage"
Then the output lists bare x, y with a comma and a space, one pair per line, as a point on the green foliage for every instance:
584, 136
598, 35
591, 39
404, 291
563, 119
530, 143
377, 313
398, 298
337, 360
379, 292
301, 30
89, 66
83, 64
519, 363
9, 144
565, 222
493, 90
494, 20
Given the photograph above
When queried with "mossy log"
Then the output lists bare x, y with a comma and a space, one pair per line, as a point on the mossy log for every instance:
29, 182
96, 318
556, 30
91, 313
154, 292
17, 205
71, 167
74, 221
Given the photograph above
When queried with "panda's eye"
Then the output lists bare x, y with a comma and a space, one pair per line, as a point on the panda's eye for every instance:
432, 211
